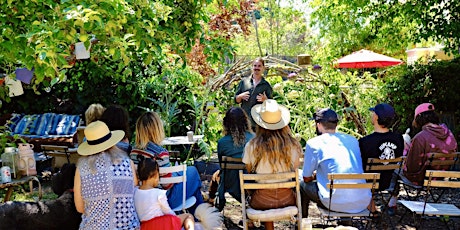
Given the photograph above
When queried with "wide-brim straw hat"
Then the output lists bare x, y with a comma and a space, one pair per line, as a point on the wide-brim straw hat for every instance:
99, 138
271, 115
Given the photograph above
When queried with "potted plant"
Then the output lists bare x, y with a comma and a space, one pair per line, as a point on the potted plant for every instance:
206, 165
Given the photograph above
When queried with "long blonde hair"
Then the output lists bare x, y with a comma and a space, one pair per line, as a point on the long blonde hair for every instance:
113, 154
149, 127
274, 146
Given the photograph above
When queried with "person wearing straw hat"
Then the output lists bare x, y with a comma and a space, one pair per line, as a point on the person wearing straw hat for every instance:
433, 137
104, 181
272, 150
331, 152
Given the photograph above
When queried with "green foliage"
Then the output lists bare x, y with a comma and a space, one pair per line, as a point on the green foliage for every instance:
304, 98
434, 19
8, 140
41, 34
387, 27
347, 26
436, 82
282, 31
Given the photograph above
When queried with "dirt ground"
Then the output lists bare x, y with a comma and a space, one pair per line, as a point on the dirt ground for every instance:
232, 216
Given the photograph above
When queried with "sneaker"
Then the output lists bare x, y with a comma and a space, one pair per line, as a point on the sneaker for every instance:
391, 211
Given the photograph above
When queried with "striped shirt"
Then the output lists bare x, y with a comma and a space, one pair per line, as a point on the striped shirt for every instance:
160, 154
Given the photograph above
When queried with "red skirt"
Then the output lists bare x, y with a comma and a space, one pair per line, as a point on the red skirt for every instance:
162, 222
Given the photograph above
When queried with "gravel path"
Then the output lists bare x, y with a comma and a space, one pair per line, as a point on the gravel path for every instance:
232, 215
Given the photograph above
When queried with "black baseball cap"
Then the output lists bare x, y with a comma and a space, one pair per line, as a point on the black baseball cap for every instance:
325, 115
384, 111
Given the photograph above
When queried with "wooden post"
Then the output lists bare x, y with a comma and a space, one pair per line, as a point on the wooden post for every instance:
303, 59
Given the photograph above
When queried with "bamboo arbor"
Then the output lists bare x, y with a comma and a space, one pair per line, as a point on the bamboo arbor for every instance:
277, 67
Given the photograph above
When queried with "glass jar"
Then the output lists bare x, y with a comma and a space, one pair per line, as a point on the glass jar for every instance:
10, 158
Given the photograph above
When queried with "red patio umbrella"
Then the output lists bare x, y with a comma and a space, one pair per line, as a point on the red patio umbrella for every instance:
366, 59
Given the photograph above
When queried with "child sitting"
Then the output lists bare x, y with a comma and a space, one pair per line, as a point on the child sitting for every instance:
152, 204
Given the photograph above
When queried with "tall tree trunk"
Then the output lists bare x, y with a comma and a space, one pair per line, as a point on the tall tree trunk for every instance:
278, 28
254, 20
271, 12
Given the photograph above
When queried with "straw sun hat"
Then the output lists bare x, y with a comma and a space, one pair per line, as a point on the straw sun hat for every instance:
99, 138
271, 115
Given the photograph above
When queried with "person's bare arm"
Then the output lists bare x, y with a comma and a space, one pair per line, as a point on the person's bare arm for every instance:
187, 221
309, 179
133, 166
296, 163
78, 199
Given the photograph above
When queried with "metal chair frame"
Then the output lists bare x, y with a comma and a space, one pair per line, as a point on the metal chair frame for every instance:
259, 181
229, 163
365, 214
435, 209
433, 159
379, 166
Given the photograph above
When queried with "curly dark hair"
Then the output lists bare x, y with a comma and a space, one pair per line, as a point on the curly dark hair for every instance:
426, 117
236, 123
147, 168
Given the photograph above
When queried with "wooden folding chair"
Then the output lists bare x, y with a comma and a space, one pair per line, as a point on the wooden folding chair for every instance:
186, 203
330, 215
435, 179
393, 166
433, 159
226, 164
262, 181
80, 134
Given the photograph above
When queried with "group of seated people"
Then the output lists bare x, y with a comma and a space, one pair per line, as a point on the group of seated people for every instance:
106, 183
273, 150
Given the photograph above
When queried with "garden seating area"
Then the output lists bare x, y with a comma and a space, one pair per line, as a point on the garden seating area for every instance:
233, 211
233, 216
46, 128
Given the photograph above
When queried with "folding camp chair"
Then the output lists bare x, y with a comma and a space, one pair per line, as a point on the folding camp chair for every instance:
393, 166
436, 209
261, 181
228, 164
433, 160
330, 215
